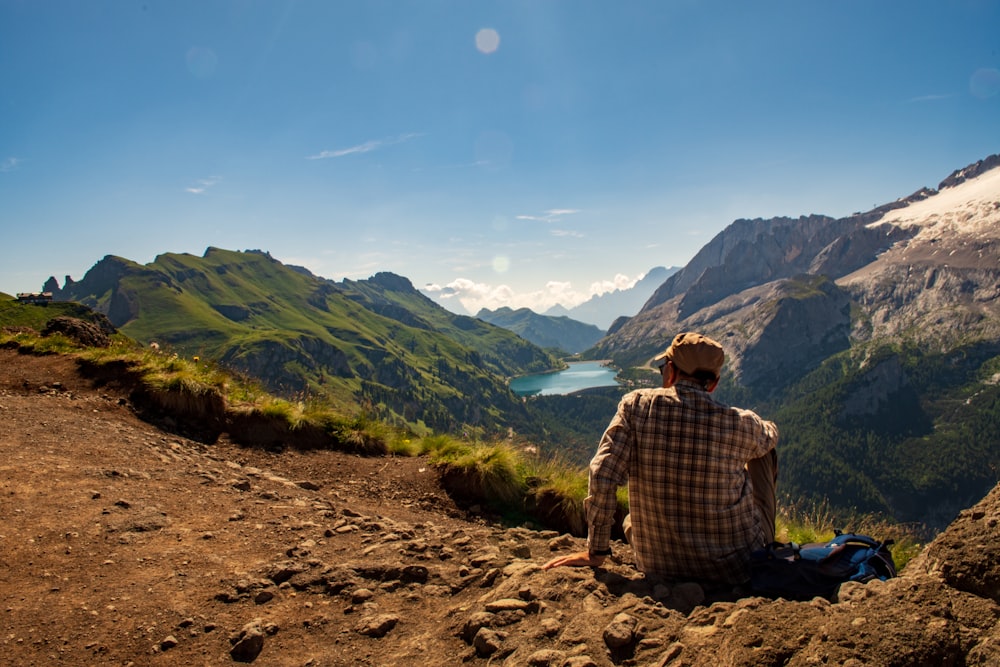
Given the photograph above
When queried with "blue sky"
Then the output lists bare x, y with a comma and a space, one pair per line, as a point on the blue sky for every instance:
514, 153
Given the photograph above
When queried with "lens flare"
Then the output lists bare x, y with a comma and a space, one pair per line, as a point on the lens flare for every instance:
985, 83
501, 264
487, 40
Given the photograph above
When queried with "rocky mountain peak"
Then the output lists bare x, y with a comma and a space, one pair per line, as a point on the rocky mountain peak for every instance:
393, 282
973, 170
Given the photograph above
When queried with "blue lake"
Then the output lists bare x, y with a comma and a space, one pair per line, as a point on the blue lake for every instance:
579, 375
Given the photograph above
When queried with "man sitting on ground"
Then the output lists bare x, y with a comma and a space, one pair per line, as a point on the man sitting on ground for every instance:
701, 475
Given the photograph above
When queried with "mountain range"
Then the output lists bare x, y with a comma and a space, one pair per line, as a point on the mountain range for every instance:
376, 345
602, 310
546, 331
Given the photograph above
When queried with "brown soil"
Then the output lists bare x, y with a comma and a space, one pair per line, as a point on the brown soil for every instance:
117, 535
125, 544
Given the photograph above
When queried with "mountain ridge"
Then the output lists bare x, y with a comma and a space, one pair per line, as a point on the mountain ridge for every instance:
377, 343
546, 331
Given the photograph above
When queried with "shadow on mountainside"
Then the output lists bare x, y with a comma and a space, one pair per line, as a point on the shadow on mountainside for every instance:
122, 543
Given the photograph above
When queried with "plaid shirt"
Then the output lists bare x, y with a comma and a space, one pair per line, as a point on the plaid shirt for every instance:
690, 498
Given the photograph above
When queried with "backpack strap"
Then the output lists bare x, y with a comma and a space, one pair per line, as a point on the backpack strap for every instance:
780, 551
855, 538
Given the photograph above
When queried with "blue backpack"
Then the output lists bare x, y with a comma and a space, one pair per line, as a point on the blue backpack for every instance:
803, 572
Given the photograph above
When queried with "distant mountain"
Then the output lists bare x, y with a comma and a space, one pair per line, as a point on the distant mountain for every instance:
374, 344
603, 309
873, 340
544, 331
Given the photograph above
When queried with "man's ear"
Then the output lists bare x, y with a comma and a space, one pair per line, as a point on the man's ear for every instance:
669, 375
710, 387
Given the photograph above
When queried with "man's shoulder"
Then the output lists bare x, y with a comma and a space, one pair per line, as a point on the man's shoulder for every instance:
649, 395
650, 392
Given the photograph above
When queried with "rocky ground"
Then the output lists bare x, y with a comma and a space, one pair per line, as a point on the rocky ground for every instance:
124, 544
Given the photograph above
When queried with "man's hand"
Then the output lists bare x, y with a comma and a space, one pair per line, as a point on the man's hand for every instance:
580, 559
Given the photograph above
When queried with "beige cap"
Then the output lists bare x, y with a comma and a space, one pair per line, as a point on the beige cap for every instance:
693, 352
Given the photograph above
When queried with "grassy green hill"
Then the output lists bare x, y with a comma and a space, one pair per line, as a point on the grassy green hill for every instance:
378, 344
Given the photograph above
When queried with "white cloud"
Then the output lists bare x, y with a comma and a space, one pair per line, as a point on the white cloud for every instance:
474, 296
567, 232
202, 185
551, 215
9, 164
366, 147
929, 98
619, 282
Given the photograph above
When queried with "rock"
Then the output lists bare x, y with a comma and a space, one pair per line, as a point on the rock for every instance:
474, 623
414, 574
378, 626
487, 642
507, 604
285, 570
84, 333
550, 627
248, 643
361, 595
967, 555
546, 657
620, 633
562, 542
168, 642
672, 652
579, 661
686, 596
521, 551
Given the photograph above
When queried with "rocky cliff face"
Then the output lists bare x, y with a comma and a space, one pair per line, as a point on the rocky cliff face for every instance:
941, 281
925, 265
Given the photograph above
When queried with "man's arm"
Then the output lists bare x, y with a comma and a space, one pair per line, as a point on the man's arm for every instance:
608, 471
